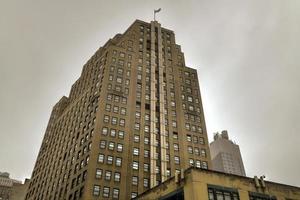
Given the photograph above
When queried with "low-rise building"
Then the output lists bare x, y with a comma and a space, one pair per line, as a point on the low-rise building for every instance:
11, 189
204, 184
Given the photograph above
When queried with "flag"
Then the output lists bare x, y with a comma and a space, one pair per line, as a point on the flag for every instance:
158, 10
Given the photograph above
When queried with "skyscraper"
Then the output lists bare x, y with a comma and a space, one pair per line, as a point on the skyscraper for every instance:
226, 155
132, 119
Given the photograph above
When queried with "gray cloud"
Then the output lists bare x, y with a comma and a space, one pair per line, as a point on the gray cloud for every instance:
246, 53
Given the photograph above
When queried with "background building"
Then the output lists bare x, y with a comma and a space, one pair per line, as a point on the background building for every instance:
11, 189
132, 119
203, 184
226, 155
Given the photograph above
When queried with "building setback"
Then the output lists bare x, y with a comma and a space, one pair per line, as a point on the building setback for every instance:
132, 119
226, 156
204, 184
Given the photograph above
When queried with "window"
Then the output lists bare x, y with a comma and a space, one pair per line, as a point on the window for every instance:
176, 147
101, 158
146, 167
191, 161
201, 140
96, 190
177, 160
222, 193
105, 191
190, 150
258, 196
147, 128
109, 160
113, 132
107, 107
123, 111
102, 144
121, 134
137, 126
116, 109
174, 124
146, 182
198, 163
135, 151
118, 162
120, 147
117, 177
114, 120
122, 122
203, 152
116, 193
98, 173
175, 135
146, 140
197, 152
204, 165
136, 138
133, 195
134, 180
122, 55
106, 119
107, 175
111, 146
119, 80
146, 153
189, 138
135, 165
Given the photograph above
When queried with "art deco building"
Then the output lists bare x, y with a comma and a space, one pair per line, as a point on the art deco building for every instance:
226, 155
132, 119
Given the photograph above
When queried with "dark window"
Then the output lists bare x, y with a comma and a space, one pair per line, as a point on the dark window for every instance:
222, 193
258, 196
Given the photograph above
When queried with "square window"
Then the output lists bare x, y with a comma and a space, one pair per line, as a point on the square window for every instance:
122, 122
135, 151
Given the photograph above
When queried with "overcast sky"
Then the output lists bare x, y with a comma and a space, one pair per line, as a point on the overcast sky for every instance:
246, 53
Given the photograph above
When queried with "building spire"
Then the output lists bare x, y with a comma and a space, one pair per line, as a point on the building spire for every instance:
156, 11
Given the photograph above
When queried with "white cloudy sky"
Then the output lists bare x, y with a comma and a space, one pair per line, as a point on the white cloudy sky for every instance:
246, 52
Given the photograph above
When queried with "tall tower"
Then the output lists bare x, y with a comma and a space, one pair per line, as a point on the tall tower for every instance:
131, 120
226, 155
